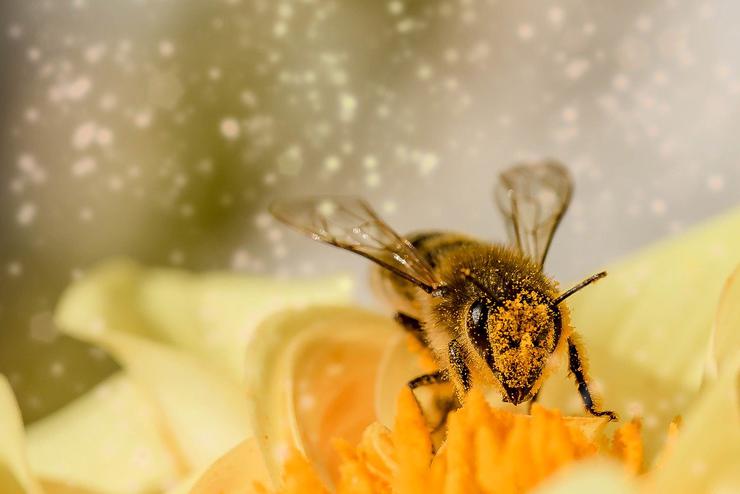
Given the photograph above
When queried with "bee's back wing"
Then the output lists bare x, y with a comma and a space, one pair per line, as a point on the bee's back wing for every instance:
533, 199
351, 224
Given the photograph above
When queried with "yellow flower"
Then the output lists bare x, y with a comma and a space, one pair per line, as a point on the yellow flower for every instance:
229, 375
178, 402
663, 333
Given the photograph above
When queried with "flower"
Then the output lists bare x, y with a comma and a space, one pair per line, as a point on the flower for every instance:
178, 402
660, 347
223, 377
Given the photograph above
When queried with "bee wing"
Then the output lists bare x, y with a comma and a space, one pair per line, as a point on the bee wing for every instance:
533, 199
351, 224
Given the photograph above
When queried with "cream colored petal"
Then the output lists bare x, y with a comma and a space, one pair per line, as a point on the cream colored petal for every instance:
706, 454
589, 477
655, 309
202, 411
209, 315
60, 487
646, 327
397, 367
726, 335
186, 485
663, 300
179, 336
238, 471
106, 441
15, 475
311, 377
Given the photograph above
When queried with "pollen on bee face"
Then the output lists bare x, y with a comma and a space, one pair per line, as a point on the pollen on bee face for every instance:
526, 317
522, 337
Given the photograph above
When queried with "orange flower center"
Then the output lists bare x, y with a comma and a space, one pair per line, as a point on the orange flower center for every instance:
486, 451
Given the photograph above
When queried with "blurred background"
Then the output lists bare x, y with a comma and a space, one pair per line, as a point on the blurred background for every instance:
161, 129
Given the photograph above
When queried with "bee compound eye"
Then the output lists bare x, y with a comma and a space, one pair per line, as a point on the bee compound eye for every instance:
478, 313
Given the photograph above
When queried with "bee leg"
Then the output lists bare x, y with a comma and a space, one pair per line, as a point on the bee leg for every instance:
412, 325
578, 371
443, 406
457, 362
436, 377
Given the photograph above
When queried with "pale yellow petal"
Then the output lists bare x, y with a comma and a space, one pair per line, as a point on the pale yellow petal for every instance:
210, 315
310, 380
186, 484
201, 410
589, 477
15, 475
706, 454
204, 411
397, 367
646, 327
182, 337
656, 308
108, 441
239, 471
60, 487
726, 335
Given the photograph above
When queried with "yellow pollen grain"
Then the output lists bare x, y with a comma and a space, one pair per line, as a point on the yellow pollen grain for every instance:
522, 320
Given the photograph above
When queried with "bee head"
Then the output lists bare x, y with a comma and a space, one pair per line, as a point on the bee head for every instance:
515, 338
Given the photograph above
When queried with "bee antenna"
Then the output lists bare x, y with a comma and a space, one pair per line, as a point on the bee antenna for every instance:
468, 274
578, 287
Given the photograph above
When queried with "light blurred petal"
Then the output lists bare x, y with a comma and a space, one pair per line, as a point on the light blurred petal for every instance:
588, 477
134, 313
646, 326
311, 378
235, 472
397, 367
15, 475
706, 454
726, 335
109, 440
656, 308
209, 315
202, 410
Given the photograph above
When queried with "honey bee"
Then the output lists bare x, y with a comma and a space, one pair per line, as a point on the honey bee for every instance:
486, 311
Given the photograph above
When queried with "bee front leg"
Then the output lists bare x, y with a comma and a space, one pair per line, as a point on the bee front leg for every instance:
436, 377
578, 371
442, 405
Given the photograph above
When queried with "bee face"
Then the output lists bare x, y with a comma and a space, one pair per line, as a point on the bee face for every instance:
522, 334
515, 338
